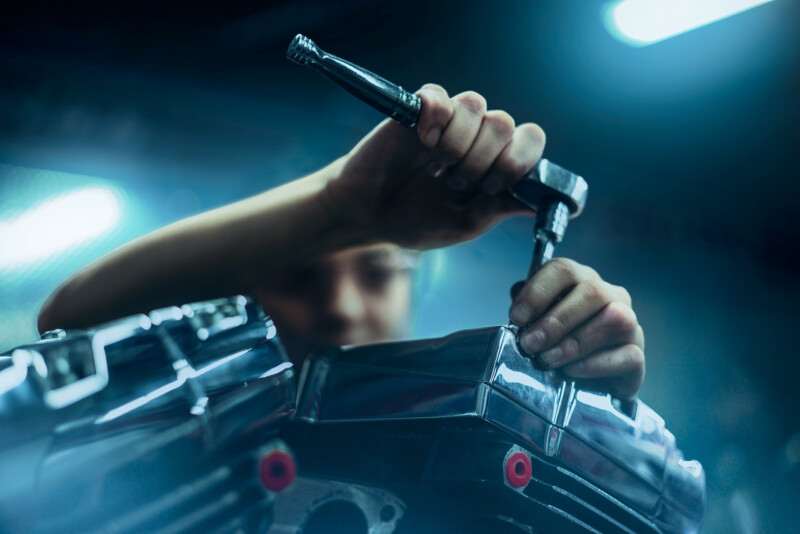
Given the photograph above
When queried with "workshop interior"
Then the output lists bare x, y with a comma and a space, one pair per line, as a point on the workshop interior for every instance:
118, 118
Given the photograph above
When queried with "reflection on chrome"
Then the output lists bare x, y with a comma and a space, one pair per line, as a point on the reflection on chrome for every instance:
143, 424
479, 382
517, 377
159, 422
141, 401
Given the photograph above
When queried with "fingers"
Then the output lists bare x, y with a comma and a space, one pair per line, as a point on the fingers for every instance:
547, 285
569, 317
461, 132
437, 110
575, 321
614, 325
517, 159
585, 300
496, 130
478, 148
622, 368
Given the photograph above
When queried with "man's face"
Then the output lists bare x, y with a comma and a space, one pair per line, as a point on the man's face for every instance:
357, 296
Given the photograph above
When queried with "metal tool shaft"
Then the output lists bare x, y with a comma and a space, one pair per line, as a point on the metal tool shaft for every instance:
555, 193
548, 232
383, 95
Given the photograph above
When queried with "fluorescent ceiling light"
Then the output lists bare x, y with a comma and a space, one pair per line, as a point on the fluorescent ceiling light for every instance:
56, 225
643, 22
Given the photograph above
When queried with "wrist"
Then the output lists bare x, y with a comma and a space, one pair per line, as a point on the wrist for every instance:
345, 215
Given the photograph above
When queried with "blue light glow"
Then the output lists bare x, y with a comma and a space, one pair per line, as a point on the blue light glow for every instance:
643, 22
56, 225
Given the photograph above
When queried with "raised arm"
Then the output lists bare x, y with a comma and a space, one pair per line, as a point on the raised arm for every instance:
445, 181
217, 253
390, 187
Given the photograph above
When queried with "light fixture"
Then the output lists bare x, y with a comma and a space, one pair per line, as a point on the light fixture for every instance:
56, 225
643, 22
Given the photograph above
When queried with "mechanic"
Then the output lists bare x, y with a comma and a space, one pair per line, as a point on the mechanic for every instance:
329, 256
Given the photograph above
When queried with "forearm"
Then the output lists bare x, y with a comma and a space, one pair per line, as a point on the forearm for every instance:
221, 252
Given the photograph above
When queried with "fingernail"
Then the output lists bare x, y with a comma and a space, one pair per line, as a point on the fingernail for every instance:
521, 313
435, 168
551, 357
433, 136
456, 182
534, 340
493, 184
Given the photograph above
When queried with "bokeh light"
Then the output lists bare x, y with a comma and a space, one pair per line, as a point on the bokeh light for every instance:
644, 22
57, 224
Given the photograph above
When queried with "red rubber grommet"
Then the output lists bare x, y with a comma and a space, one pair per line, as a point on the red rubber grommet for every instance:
277, 470
518, 469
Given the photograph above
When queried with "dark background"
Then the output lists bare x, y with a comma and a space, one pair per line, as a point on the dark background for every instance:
688, 146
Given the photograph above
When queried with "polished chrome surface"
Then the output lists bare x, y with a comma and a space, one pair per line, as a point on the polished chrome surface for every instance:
482, 374
141, 405
557, 195
386, 97
551, 224
169, 440
548, 183
70, 369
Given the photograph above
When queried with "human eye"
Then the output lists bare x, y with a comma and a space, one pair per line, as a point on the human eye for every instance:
376, 278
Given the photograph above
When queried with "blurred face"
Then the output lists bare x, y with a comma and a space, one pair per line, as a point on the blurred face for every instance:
356, 296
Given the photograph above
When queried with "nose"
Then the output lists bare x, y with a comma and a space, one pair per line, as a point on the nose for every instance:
344, 300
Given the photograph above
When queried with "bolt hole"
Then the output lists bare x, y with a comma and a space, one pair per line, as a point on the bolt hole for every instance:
277, 469
519, 468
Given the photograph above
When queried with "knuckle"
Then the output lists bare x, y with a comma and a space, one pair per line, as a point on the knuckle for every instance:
437, 103
441, 112
433, 87
473, 102
589, 273
593, 290
501, 123
555, 324
572, 347
634, 357
621, 317
531, 295
585, 273
562, 266
624, 294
